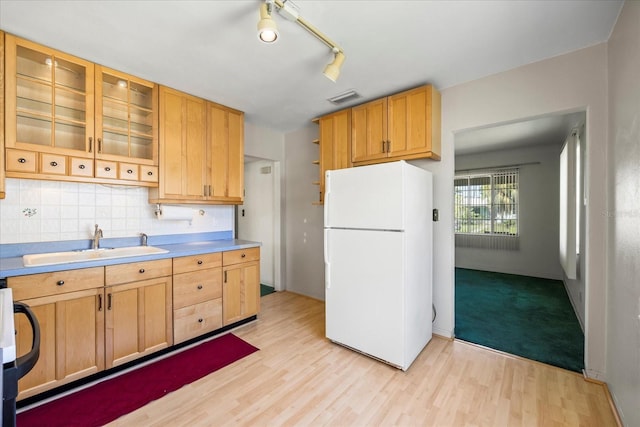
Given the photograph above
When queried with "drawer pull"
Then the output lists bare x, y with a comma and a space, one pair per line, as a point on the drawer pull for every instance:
22, 160
199, 262
199, 286
149, 173
129, 171
54, 164
141, 270
107, 168
200, 320
243, 255
81, 166
60, 282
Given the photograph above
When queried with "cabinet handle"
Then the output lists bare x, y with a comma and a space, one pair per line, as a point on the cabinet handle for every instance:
60, 282
199, 286
225, 277
90, 144
210, 190
99, 145
81, 166
149, 173
107, 168
383, 145
388, 146
99, 302
141, 270
129, 171
22, 160
200, 320
242, 256
108, 301
204, 190
199, 262
54, 164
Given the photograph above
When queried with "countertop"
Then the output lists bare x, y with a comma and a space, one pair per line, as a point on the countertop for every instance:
177, 246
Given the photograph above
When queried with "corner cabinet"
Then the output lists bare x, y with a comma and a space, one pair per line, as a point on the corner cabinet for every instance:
201, 151
403, 126
54, 131
240, 284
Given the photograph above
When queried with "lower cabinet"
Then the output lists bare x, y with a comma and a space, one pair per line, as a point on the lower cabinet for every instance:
138, 319
71, 326
241, 284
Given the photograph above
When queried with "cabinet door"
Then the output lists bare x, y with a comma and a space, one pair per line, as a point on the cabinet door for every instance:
408, 122
369, 131
226, 153
240, 292
335, 143
182, 146
49, 99
2, 173
126, 117
138, 320
71, 343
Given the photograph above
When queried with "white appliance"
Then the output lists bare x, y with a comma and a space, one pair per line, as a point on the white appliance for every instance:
378, 260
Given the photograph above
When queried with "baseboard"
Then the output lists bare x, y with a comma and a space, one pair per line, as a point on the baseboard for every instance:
610, 398
443, 333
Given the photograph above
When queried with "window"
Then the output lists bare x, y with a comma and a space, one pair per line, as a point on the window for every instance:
487, 203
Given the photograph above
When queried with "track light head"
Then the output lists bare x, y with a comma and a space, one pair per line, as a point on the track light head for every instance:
267, 28
332, 70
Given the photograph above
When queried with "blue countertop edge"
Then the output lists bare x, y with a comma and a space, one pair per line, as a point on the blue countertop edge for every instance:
177, 245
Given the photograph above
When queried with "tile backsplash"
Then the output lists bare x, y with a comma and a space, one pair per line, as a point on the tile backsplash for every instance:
43, 211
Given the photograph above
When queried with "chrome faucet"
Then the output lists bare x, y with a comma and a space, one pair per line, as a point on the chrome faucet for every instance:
144, 239
97, 235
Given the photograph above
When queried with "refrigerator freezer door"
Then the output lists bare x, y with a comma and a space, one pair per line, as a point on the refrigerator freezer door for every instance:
366, 197
364, 292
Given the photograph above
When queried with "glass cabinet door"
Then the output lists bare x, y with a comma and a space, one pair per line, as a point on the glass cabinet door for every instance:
52, 106
126, 116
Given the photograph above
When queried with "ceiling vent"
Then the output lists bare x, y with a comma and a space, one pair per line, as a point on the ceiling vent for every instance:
347, 96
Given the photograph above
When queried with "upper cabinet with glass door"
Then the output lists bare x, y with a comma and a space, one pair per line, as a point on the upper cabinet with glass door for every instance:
49, 100
126, 117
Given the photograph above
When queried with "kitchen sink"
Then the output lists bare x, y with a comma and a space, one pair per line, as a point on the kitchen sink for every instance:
51, 258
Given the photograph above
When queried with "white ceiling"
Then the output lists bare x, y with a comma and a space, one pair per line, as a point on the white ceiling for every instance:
210, 48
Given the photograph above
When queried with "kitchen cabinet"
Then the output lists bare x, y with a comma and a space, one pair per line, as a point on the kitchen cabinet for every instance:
334, 144
202, 151
225, 154
197, 295
69, 308
62, 116
403, 126
241, 284
2, 183
138, 310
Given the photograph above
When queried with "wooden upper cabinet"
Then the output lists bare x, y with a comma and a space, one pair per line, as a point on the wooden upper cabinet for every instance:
182, 148
126, 118
403, 126
49, 99
225, 153
2, 184
335, 143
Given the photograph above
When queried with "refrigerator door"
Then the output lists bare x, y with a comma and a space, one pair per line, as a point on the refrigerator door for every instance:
366, 197
364, 293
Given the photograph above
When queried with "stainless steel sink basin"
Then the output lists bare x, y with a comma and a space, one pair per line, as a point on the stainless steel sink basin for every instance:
51, 258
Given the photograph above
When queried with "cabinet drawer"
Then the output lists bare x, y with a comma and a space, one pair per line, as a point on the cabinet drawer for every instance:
106, 169
81, 167
53, 164
195, 320
59, 282
128, 171
21, 161
196, 262
241, 255
148, 173
124, 273
196, 286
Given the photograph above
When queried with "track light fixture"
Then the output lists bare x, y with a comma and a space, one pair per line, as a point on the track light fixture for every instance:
268, 32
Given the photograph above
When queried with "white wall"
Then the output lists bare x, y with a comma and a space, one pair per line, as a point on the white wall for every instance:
623, 215
305, 262
41, 211
538, 198
566, 83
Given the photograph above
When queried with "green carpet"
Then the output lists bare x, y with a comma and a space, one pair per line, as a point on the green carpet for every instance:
266, 290
525, 316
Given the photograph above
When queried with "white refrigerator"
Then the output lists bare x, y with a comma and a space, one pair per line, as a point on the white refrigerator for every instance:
378, 260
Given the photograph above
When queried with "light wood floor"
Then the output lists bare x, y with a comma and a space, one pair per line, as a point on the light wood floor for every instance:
300, 378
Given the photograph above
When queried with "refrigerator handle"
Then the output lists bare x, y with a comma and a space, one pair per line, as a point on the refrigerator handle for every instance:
327, 265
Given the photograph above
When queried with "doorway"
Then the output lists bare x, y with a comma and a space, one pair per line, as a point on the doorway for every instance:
258, 218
